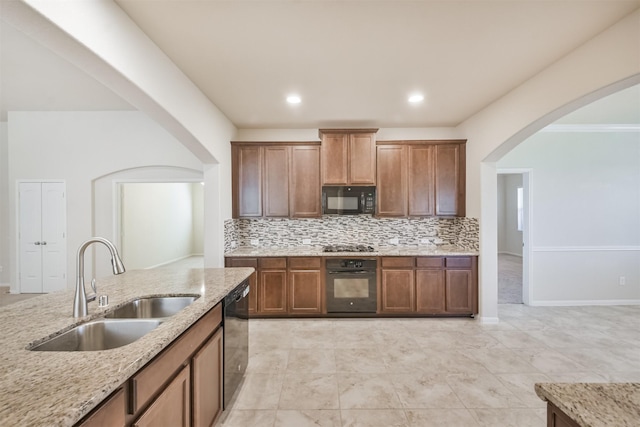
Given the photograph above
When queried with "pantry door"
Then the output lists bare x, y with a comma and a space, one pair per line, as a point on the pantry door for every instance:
42, 237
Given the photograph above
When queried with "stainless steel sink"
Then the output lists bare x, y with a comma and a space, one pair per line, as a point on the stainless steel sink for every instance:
151, 308
100, 334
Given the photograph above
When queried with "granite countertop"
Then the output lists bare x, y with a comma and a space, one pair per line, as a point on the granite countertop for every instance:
427, 250
40, 388
595, 404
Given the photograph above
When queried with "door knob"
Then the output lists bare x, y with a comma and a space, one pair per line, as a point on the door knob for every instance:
36, 243
43, 243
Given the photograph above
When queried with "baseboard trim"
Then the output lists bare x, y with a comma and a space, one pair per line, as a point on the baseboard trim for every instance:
570, 303
171, 261
510, 253
484, 320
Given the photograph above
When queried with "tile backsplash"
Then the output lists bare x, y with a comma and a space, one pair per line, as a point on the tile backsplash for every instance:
361, 229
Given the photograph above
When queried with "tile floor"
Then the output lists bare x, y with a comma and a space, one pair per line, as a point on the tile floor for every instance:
429, 372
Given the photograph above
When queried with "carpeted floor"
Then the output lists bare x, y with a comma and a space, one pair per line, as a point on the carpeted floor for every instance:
509, 279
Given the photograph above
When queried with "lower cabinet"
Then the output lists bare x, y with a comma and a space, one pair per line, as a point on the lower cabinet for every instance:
557, 418
429, 285
182, 386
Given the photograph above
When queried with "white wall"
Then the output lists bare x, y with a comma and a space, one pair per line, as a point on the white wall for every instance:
80, 147
157, 223
585, 230
509, 237
197, 200
4, 205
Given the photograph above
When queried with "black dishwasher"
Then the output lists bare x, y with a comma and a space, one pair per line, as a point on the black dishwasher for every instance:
236, 339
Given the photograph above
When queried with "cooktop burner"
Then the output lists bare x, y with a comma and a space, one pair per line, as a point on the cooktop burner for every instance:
348, 248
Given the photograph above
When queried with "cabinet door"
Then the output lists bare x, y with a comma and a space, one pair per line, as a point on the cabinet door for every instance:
397, 291
305, 291
305, 195
430, 292
276, 181
207, 382
448, 182
253, 279
110, 413
392, 181
362, 159
334, 159
248, 181
172, 407
272, 288
459, 291
421, 180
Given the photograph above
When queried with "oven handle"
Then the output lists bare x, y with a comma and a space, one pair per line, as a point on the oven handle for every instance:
352, 272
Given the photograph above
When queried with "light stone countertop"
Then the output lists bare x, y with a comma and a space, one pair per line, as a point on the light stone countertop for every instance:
595, 404
41, 388
427, 250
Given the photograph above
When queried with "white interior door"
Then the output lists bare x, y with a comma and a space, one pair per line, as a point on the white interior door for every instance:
42, 235
30, 231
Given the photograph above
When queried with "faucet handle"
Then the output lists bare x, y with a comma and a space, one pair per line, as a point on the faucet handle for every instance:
93, 285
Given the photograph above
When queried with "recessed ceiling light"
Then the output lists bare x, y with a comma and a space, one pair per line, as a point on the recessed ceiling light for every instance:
293, 99
416, 98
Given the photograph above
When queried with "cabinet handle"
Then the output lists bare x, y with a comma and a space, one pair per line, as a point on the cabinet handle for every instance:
36, 243
44, 243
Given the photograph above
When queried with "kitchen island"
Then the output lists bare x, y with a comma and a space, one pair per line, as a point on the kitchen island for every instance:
591, 404
40, 388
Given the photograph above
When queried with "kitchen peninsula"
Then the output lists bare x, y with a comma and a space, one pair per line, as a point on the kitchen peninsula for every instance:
53, 388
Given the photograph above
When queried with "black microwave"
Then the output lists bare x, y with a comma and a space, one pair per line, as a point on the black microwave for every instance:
348, 200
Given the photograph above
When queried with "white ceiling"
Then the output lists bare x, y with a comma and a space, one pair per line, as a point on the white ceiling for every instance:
354, 63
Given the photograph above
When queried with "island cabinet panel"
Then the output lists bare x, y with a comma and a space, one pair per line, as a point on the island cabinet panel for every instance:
253, 279
392, 180
111, 412
348, 156
397, 291
276, 181
207, 382
305, 198
172, 407
248, 166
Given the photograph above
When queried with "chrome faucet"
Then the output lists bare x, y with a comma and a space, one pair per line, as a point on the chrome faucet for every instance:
80, 300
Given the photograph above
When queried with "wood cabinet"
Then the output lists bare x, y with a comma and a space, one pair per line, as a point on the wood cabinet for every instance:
348, 156
276, 180
285, 286
183, 381
429, 285
421, 178
557, 418
207, 376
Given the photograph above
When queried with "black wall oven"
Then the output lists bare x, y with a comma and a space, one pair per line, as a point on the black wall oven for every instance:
351, 285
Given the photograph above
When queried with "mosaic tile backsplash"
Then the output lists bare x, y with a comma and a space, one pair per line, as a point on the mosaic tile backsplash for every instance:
361, 229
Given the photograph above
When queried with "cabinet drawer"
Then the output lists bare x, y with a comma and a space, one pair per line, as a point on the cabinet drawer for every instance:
430, 262
109, 413
398, 262
242, 262
458, 262
146, 383
272, 263
305, 263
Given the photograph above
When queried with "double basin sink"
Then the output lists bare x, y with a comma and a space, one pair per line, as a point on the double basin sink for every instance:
120, 327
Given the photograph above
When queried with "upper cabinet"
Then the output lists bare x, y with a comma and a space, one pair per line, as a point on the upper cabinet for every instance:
348, 156
276, 180
421, 178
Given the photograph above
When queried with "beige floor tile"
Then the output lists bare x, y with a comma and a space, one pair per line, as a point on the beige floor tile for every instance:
523, 386
425, 391
312, 339
550, 361
245, 418
312, 360
259, 391
308, 418
483, 391
309, 391
359, 360
359, 391
498, 361
374, 418
268, 360
507, 417
450, 362
517, 339
440, 418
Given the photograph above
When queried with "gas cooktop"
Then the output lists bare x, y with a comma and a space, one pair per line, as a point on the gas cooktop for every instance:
348, 248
